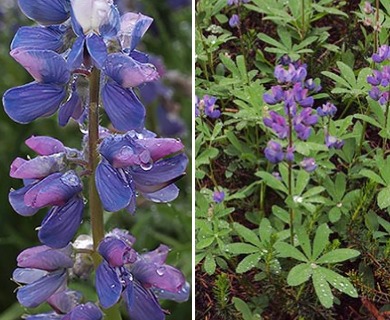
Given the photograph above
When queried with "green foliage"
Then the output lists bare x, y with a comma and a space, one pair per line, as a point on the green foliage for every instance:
272, 232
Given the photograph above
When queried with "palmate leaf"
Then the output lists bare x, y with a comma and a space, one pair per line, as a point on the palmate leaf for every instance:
321, 240
338, 281
240, 248
247, 234
338, 255
288, 251
299, 274
322, 289
384, 198
209, 264
248, 262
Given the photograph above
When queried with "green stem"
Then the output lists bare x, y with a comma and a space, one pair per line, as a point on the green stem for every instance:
376, 32
290, 210
95, 206
387, 120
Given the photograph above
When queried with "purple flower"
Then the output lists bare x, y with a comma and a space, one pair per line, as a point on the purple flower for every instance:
278, 124
300, 96
328, 109
218, 196
44, 145
234, 21
303, 122
133, 162
43, 271
277, 95
48, 184
209, 107
382, 54
375, 93
312, 86
308, 164
274, 152
46, 13
290, 154
293, 74
333, 142
375, 79
136, 277
51, 75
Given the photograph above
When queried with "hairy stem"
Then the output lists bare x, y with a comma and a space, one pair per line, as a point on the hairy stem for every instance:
95, 206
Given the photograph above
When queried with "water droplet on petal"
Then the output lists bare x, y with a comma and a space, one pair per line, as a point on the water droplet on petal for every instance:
146, 166
160, 271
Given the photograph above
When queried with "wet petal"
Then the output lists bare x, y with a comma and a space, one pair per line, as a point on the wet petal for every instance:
27, 275
72, 108
16, 199
144, 305
65, 301
45, 316
123, 151
38, 167
113, 186
161, 147
46, 12
76, 55
108, 285
88, 311
163, 173
167, 194
161, 276
116, 252
180, 296
45, 258
97, 49
55, 189
133, 27
111, 27
128, 72
123, 107
43, 38
32, 295
22, 106
61, 223
158, 255
44, 145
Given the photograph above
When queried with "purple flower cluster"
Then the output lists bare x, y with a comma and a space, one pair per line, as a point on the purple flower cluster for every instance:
298, 118
380, 79
48, 182
121, 165
138, 278
59, 72
130, 163
43, 271
208, 106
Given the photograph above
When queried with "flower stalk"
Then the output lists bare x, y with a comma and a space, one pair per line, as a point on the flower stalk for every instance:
95, 206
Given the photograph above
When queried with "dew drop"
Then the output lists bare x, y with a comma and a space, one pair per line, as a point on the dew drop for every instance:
160, 271
146, 166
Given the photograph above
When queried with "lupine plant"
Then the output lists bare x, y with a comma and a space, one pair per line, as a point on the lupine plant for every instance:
292, 194
82, 56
